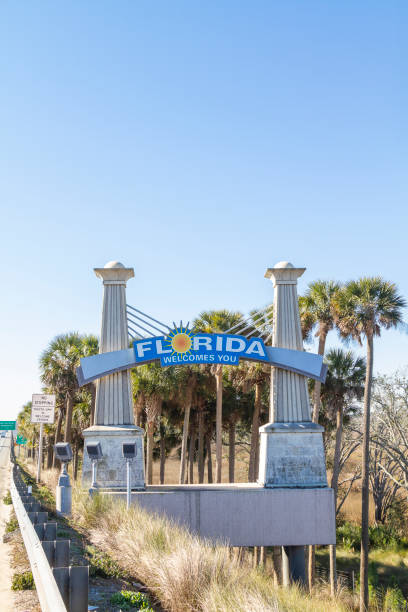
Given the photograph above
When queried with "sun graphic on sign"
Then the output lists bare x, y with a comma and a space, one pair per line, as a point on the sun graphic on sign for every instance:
180, 339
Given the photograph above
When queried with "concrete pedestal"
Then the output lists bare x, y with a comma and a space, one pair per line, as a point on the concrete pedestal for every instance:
63, 500
63, 493
111, 469
292, 455
293, 565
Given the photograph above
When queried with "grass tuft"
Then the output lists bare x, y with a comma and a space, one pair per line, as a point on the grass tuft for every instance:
11, 525
7, 499
131, 600
23, 582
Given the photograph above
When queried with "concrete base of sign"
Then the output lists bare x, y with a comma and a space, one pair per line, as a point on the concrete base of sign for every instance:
245, 514
292, 455
111, 469
63, 500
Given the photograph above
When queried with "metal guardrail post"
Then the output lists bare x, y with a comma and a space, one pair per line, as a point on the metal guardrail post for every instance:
57, 552
47, 589
73, 584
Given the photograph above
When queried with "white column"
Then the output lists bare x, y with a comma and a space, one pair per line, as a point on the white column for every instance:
114, 423
289, 400
291, 446
113, 392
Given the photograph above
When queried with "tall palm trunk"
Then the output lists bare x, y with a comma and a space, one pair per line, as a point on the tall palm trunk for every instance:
318, 384
277, 565
231, 450
68, 418
162, 458
254, 434
218, 424
58, 433
201, 441
92, 389
365, 478
186, 424
50, 447
191, 454
149, 452
315, 418
76, 458
334, 486
209, 458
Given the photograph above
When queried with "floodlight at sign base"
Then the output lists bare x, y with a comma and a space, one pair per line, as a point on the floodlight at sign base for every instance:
63, 451
94, 451
129, 450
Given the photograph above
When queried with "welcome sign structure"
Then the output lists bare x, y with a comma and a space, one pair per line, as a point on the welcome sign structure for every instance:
183, 346
290, 504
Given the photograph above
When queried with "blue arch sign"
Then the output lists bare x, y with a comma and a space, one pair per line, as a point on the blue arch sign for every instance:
185, 347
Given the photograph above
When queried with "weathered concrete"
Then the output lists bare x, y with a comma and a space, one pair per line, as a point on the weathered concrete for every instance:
114, 404
291, 446
245, 514
292, 455
111, 469
114, 423
289, 398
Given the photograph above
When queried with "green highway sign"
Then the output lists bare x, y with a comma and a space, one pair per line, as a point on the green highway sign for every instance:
8, 425
21, 439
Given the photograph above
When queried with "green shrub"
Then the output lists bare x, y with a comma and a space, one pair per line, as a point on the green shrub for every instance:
348, 535
383, 536
131, 600
394, 600
7, 499
11, 525
44, 495
23, 582
101, 564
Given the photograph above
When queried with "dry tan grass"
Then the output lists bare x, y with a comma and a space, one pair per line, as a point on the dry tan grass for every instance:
184, 572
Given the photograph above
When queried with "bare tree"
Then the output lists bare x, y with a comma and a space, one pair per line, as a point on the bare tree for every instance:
351, 440
383, 488
390, 402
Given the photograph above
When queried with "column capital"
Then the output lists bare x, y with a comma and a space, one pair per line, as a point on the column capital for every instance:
114, 273
284, 273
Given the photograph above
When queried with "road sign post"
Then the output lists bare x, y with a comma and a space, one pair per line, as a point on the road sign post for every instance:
42, 411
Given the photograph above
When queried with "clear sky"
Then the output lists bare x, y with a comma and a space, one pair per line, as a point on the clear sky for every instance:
199, 142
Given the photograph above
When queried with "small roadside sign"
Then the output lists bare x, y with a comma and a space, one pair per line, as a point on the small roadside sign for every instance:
7, 425
43, 408
20, 439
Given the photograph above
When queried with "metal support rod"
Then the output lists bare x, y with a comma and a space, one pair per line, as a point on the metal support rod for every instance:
40, 448
93, 485
129, 491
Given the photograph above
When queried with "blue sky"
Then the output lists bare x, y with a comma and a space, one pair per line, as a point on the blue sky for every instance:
199, 142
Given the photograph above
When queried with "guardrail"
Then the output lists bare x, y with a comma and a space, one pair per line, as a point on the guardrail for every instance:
60, 587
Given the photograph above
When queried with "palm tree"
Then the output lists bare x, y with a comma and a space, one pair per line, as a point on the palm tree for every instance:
209, 322
156, 384
316, 315
344, 383
247, 375
58, 364
24, 425
90, 346
362, 308
188, 377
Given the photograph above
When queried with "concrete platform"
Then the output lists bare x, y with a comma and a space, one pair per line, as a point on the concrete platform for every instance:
245, 514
